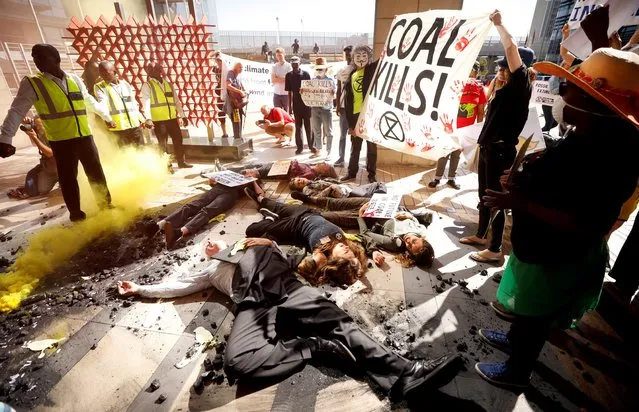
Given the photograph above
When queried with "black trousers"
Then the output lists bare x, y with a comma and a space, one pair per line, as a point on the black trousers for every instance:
196, 214
371, 157
549, 121
493, 160
625, 269
527, 336
286, 229
67, 154
303, 117
272, 342
130, 137
170, 128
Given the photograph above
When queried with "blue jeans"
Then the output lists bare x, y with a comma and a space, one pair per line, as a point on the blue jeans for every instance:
321, 117
343, 130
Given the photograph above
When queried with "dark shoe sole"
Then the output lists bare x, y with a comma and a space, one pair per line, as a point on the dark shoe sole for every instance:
505, 349
78, 218
431, 378
505, 385
347, 178
169, 235
267, 213
507, 316
252, 195
348, 352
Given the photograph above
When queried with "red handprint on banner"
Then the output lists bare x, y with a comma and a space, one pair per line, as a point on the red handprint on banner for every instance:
370, 110
410, 142
406, 43
406, 119
447, 123
361, 128
407, 93
428, 138
458, 86
395, 85
447, 27
465, 40
426, 131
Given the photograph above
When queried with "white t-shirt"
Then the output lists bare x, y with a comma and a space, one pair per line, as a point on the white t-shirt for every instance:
280, 70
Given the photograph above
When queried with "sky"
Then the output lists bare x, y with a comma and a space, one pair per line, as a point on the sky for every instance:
345, 15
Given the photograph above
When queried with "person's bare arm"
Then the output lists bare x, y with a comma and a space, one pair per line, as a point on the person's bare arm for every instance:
290, 102
510, 46
481, 109
229, 86
568, 57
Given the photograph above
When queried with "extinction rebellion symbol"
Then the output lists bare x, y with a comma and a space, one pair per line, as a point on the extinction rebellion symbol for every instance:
390, 127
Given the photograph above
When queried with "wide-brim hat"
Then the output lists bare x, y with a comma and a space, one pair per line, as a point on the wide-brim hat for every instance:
611, 76
320, 63
527, 57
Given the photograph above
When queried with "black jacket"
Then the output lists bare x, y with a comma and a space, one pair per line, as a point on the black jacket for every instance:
347, 89
258, 274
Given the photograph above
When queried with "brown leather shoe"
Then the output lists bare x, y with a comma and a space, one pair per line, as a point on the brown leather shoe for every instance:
170, 235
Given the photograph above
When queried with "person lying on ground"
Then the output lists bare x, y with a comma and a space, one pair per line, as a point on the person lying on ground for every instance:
296, 169
278, 124
403, 234
334, 257
189, 218
309, 327
43, 177
302, 189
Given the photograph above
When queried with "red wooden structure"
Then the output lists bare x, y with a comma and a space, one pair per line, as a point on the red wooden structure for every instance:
183, 48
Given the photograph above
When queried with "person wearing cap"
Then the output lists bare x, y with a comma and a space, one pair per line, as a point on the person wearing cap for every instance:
322, 116
505, 119
278, 78
471, 110
342, 77
302, 113
62, 102
162, 109
119, 96
557, 266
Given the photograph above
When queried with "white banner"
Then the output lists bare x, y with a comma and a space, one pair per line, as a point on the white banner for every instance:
256, 78
621, 13
229, 178
413, 99
468, 136
541, 93
382, 206
581, 9
318, 93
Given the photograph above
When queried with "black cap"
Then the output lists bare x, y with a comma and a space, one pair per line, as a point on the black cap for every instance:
527, 57
42, 48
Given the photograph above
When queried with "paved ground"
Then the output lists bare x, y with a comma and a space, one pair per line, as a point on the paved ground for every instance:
113, 350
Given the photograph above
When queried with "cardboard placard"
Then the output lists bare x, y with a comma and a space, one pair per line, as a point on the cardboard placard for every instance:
230, 179
280, 168
383, 206
318, 92
541, 93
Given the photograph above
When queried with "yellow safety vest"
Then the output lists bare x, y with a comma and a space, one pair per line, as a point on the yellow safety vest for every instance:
64, 115
123, 118
162, 101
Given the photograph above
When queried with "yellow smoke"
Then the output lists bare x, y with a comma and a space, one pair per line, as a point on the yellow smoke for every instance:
133, 175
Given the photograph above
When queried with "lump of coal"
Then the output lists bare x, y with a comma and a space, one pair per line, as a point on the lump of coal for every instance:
218, 362
439, 277
126, 303
213, 325
497, 278
588, 377
411, 337
438, 289
484, 272
155, 385
222, 232
205, 312
476, 291
161, 399
462, 347
483, 302
463, 283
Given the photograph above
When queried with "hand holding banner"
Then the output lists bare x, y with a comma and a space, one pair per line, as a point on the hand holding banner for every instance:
412, 104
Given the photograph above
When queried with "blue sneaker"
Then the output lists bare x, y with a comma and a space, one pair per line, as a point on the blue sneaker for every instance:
500, 375
496, 339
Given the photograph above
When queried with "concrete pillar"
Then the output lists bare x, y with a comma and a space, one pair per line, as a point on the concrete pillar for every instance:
386, 10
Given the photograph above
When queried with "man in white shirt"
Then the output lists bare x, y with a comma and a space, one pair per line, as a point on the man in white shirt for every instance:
278, 77
119, 96
62, 101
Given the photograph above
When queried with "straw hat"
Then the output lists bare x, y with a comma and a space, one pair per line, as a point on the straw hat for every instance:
608, 75
320, 63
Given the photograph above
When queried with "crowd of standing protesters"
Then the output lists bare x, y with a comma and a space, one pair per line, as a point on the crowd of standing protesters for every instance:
559, 233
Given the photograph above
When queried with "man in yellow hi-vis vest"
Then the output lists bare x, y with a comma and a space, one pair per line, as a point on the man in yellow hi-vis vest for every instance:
162, 109
62, 101
119, 96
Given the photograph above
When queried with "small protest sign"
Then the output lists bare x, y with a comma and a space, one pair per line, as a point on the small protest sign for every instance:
230, 179
541, 93
318, 92
413, 99
383, 206
280, 168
